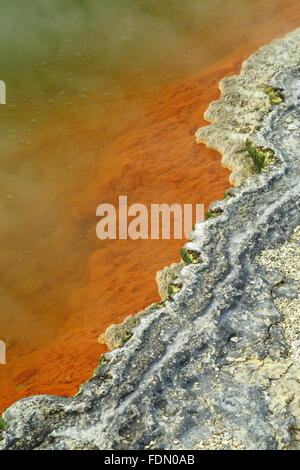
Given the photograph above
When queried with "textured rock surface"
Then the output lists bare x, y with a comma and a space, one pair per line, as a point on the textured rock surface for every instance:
166, 276
216, 365
244, 104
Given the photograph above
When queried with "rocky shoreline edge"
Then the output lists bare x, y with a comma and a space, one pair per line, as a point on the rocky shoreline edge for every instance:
215, 365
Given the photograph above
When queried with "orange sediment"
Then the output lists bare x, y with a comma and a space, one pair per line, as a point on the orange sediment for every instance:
153, 161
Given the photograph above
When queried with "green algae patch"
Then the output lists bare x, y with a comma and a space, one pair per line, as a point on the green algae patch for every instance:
159, 305
79, 391
3, 424
103, 361
213, 213
173, 289
190, 256
126, 335
260, 157
228, 194
274, 95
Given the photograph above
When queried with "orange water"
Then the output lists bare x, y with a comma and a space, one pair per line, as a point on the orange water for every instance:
60, 286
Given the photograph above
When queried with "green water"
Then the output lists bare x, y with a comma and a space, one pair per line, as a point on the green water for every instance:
66, 46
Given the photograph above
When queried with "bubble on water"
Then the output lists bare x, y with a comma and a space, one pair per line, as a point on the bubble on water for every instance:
9, 196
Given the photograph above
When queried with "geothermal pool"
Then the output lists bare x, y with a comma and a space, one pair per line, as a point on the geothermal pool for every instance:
103, 99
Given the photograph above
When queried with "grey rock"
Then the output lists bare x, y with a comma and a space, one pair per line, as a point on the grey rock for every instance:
215, 366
